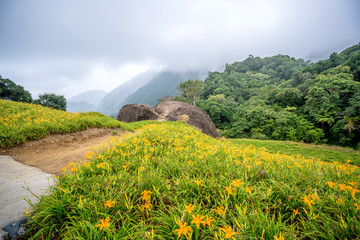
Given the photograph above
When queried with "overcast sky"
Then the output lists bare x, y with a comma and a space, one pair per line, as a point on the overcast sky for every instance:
71, 46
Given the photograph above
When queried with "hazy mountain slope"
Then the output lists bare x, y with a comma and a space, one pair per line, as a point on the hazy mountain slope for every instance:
93, 97
163, 84
113, 101
80, 107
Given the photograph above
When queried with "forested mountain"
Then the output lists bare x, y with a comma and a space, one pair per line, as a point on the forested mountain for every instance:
284, 98
163, 84
349, 57
114, 100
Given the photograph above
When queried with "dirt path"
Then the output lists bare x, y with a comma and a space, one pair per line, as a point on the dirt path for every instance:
54, 152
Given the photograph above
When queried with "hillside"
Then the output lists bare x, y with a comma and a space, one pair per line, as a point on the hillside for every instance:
114, 100
284, 98
22, 122
170, 181
161, 85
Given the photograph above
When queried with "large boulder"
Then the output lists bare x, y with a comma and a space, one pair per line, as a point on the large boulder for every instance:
174, 110
136, 112
169, 111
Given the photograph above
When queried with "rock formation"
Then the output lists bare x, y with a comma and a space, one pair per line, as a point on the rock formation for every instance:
136, 112
169, 111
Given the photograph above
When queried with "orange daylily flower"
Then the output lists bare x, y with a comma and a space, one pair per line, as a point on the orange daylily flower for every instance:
198, 182
109, 204
248, 190
342, 187
183, 229
229, 190
357, 206
331, 184
104, 223
296, 212
197, 220
220, 210
228, 232
189, 208
145, 195
280, 237
237, 183
208, 220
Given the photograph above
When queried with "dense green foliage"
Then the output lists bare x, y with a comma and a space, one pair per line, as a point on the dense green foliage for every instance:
284, 98
11, 91
52, 100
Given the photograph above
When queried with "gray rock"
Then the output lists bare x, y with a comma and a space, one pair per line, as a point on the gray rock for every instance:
136, 112
173, 110
16, 228
3, 235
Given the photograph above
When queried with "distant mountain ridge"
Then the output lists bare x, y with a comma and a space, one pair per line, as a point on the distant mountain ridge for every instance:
113, 101
85, 102
93, 97
146, 88
80, 107
163, 84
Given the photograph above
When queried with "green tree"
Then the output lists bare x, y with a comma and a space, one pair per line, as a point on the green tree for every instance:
331, 102
354, 64
52, 100
288, 97
352, 118
10, 91
330, 94
220, 109
191, 89
284, 98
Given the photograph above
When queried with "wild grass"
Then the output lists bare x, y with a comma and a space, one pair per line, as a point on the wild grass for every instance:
21, 122
169, 181
322, 152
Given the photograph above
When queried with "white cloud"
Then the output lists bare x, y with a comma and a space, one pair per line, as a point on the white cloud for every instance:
107, 77
55, 46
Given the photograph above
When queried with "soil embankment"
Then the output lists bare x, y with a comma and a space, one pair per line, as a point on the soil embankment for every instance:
54, 152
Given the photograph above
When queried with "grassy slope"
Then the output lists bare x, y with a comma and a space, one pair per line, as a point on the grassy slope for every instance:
169, 180
161, 182
21, 122
323, 152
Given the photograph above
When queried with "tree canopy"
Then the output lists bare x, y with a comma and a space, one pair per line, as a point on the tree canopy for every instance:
284, 98
191, 89
11, 91
52, 100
